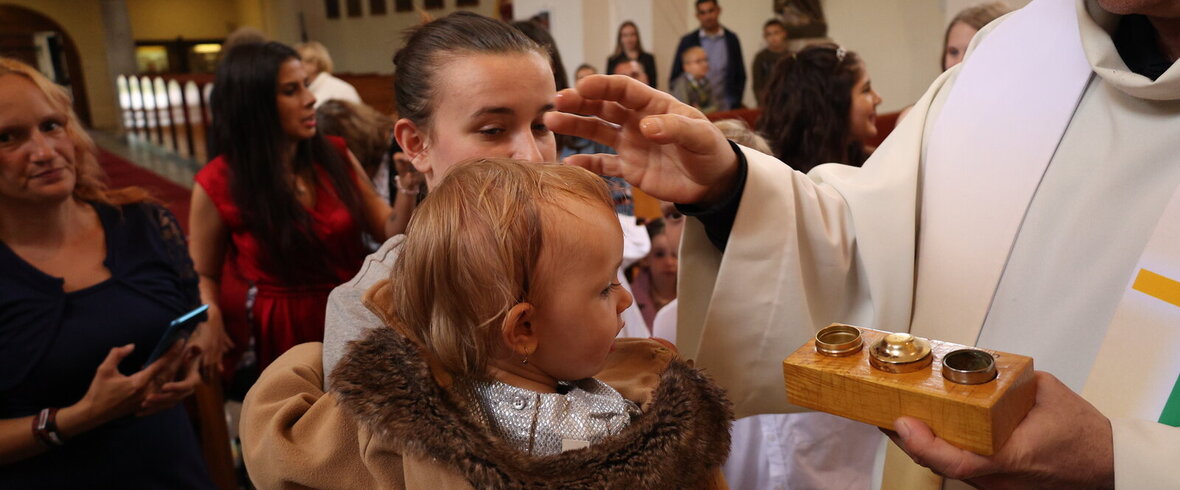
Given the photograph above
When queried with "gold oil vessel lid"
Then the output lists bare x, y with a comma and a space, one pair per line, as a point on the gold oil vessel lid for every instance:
900, 353
838, 340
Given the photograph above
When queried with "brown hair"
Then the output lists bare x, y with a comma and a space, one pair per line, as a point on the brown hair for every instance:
619, 38
472, 250
90, 183
429, 46
807, 107
365, 129
975, 16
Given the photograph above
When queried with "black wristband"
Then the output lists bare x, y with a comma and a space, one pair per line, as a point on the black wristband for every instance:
45, 428
718, 218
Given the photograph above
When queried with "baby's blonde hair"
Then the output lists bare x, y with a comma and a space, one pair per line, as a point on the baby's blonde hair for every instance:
472, 250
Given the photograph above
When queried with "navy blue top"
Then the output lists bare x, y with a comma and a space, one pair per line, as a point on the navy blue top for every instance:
51, 343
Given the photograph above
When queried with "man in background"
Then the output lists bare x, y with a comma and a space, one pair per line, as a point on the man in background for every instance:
727, 74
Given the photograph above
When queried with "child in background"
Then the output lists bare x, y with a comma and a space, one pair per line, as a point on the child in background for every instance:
774, 32
692, 87
584, 70
655, 284
500, 368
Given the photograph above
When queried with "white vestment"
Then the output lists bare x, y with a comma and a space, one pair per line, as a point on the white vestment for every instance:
841, 244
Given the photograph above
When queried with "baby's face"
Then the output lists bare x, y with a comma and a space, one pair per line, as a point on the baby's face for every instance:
579, 298
696, 63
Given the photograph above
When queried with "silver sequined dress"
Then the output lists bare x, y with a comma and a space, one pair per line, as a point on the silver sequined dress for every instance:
541, 424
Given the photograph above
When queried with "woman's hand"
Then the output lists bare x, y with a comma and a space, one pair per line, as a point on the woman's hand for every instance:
112, 395
407, 176
212, 342
170, 393
666, 148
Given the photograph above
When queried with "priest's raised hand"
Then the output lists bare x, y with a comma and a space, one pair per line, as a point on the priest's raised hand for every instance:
665, 147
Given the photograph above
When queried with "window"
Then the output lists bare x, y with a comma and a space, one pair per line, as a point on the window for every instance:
354, 8
466, 3
332, 8
433, 4
376, 7
403, 5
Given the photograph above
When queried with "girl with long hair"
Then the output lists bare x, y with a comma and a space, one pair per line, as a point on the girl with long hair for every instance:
820, 107
628, 47
278, 216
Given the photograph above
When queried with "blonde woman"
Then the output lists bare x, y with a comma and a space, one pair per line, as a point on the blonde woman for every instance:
319, 66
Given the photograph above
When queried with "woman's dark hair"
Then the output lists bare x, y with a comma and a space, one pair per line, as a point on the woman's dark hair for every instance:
619, 39
806, 112
426, 46
250, 137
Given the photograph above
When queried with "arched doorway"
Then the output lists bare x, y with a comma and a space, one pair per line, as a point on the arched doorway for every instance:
39, 41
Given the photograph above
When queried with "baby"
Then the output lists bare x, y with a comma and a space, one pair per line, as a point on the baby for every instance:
508, 277
692, 87
497, 364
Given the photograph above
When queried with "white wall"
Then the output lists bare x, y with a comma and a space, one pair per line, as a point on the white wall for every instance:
358, 45
899, 40
952, 7
566, 24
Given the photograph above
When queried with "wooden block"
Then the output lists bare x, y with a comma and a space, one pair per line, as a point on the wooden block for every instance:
977, 417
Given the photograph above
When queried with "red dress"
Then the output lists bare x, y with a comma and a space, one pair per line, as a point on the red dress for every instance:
256, 302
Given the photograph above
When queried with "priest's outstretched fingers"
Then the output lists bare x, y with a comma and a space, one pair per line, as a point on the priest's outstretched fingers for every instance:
666, 148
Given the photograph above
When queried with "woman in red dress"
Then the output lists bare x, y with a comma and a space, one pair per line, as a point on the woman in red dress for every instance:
278, 216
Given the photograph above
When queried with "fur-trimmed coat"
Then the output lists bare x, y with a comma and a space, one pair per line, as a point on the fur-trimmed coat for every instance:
390, 421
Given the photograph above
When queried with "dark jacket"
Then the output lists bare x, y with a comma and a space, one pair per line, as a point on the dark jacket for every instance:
735, 72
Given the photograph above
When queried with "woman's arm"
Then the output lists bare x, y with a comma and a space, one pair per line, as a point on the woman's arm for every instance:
409, 185
110, 396
379, 217
207, 241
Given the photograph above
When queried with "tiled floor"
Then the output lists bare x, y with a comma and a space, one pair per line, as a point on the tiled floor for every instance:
150, 156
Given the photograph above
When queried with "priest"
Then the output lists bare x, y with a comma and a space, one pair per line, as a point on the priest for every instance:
1030, 203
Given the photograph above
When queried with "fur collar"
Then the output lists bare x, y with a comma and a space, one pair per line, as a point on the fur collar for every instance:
678, 442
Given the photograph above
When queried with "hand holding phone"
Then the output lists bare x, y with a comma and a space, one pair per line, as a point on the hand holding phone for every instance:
180, 329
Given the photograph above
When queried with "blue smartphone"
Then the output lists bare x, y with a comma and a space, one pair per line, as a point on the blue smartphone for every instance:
179, 329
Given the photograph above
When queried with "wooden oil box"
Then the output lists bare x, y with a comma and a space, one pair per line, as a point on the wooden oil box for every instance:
972, 398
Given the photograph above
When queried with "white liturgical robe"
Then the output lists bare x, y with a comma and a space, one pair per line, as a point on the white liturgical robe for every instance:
845, 244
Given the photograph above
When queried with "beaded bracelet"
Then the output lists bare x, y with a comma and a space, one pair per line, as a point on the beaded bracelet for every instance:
397, 180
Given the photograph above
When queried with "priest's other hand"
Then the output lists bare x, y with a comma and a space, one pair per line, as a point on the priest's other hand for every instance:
1063, 442
665, 147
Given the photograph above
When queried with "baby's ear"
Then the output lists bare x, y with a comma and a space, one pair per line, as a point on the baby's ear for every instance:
517, 330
